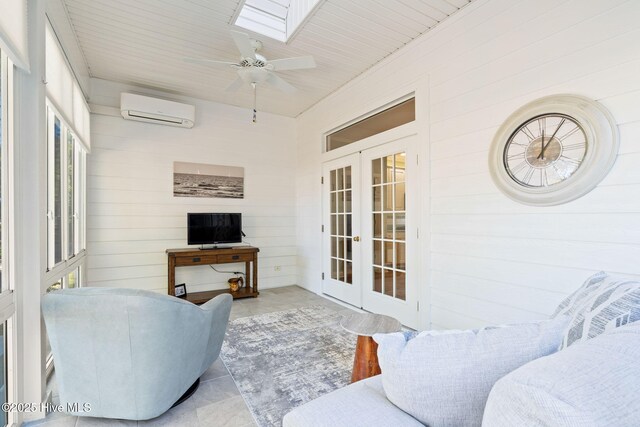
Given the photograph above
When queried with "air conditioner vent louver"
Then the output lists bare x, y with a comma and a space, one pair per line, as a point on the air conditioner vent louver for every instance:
135, 115
154, 110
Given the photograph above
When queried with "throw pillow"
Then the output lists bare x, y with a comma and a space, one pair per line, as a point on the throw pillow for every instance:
570, 304
604, 302
593, 383
443, 378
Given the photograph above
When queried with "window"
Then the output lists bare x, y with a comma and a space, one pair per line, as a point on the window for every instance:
65, 222
278, 19
68, 138
266, 17
389, 118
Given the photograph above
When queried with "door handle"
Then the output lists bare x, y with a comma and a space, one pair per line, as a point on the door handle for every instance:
356, 238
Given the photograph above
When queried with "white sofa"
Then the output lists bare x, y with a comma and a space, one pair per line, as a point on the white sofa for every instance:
593, 380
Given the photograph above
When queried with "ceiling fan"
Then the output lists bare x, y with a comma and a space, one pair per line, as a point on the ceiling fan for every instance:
254, 68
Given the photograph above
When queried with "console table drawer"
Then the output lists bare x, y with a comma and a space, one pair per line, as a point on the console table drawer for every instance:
196, 260
235, 258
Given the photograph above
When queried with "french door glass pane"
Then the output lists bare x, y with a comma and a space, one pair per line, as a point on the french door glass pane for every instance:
340, 195
389, 217
377, 279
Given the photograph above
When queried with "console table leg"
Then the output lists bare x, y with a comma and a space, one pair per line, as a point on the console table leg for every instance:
172, 276
255, 274
247, 273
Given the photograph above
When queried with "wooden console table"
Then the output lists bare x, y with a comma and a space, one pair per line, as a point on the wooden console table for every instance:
190, 257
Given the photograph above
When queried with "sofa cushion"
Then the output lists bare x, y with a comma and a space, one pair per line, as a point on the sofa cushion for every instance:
443, 378
593, 383
360, 404
603, 303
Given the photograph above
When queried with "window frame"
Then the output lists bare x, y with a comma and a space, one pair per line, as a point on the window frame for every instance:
7, 295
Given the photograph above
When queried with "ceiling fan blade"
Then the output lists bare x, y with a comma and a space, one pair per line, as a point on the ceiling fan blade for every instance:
237, 84
243, 42
298, 63
200, 61
281, 84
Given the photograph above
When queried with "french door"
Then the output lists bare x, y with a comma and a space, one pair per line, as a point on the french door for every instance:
341, 229
370, 230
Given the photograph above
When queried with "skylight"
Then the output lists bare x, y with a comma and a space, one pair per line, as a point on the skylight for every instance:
277, 19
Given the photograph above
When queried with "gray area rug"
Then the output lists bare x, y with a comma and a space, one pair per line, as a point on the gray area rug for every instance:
284, 359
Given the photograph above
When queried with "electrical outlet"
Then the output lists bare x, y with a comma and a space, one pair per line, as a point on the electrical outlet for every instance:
277, 268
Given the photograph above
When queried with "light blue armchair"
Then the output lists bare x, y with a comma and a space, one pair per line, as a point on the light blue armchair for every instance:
130, 354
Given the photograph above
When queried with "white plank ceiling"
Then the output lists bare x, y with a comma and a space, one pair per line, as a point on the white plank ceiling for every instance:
143, 42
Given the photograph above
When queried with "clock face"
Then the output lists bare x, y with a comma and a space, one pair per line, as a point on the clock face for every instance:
545, 150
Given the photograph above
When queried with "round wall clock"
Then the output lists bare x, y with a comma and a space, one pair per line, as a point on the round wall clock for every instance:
553, 150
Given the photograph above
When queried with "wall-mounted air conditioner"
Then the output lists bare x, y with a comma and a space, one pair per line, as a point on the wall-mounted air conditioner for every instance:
154, 110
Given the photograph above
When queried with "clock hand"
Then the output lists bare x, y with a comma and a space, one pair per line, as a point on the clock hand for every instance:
544, 147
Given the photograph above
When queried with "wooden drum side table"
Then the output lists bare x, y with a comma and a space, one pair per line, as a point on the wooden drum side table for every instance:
365, 325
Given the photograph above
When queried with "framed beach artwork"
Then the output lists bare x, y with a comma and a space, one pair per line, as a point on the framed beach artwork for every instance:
202, 180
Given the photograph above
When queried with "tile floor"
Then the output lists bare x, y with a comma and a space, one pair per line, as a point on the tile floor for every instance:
217, 402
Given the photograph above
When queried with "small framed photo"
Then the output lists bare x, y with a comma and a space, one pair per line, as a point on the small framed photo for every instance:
181, 290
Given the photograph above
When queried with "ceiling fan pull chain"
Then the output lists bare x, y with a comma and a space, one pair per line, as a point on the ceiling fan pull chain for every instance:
255, 118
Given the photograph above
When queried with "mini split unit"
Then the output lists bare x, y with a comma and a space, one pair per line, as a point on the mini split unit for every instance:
154, 110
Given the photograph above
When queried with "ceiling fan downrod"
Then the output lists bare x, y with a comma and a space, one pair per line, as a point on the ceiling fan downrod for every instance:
255, 118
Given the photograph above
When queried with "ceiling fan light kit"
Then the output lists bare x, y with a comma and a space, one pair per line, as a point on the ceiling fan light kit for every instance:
254, 69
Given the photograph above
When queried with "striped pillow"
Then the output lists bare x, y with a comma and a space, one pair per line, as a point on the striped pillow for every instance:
604, 302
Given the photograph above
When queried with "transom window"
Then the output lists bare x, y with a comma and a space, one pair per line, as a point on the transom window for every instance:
389, 118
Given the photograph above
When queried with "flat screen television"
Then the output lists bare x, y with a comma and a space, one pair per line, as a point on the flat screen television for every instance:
214, 228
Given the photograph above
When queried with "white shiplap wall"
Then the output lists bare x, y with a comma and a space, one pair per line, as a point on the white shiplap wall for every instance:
489, 259
132, 214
